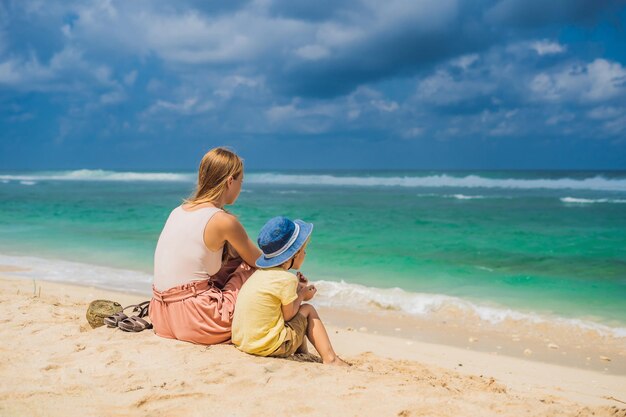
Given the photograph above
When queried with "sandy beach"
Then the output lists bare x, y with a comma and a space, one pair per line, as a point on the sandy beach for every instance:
450, 176
52, 363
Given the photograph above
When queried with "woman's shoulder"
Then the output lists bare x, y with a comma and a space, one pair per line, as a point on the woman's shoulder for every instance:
198, 212
226, 218
195, 208
223, 222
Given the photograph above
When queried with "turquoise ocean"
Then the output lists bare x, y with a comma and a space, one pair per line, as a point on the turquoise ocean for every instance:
526, 245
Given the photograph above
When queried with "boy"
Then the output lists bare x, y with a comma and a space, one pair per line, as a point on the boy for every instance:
270, 319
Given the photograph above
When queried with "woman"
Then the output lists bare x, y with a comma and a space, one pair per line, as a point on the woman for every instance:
198, 268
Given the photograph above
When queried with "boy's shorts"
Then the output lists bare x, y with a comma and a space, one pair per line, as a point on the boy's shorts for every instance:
296, 330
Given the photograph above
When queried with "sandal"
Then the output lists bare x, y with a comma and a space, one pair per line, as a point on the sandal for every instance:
115, 319
136, 323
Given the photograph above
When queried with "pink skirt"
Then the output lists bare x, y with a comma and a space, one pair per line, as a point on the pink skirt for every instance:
198, 312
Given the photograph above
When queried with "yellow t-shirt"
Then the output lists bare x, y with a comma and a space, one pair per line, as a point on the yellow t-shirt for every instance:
258, 323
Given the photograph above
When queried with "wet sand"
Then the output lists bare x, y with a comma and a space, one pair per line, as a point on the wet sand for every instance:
537, 342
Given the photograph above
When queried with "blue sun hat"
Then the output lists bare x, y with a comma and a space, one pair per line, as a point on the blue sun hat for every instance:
280, 239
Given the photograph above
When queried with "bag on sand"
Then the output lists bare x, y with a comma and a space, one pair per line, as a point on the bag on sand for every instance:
99, 309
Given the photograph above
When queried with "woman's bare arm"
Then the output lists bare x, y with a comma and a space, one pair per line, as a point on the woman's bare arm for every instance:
225, 227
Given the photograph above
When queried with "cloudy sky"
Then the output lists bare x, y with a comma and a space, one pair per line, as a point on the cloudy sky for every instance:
368, 84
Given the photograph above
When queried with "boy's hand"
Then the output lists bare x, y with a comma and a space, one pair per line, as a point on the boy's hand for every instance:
302, 278
301, 289
306, 291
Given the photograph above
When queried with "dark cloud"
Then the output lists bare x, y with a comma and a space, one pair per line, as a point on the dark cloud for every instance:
397, 49
404, 47
31, 30
536, 13
317, 11
372, 61
130, 77
210, 7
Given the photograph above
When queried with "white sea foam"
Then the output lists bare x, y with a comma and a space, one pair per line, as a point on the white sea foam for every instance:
99, 175
354, 296
572, 200
331, 293
79, 273
484, 268
444, 180
28, 182
466, 197
469, 181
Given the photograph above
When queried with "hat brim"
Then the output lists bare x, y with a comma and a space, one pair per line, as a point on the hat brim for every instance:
305, 232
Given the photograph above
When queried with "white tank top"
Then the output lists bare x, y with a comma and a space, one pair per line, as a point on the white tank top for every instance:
181, 255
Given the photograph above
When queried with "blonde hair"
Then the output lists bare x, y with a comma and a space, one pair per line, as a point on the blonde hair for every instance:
216, 167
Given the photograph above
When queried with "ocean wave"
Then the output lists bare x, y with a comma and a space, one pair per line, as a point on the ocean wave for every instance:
79, 273
430, 181
572, 200
99, 175
466, 197
331, 293
28, 182
484, 268
444, 180
355, 296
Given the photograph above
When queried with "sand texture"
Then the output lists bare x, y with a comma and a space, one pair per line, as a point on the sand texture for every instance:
53, 364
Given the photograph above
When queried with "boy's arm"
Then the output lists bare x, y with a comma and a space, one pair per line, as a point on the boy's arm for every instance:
290, 310
305, 293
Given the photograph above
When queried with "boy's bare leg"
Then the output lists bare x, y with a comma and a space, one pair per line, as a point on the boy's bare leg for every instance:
316, 332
